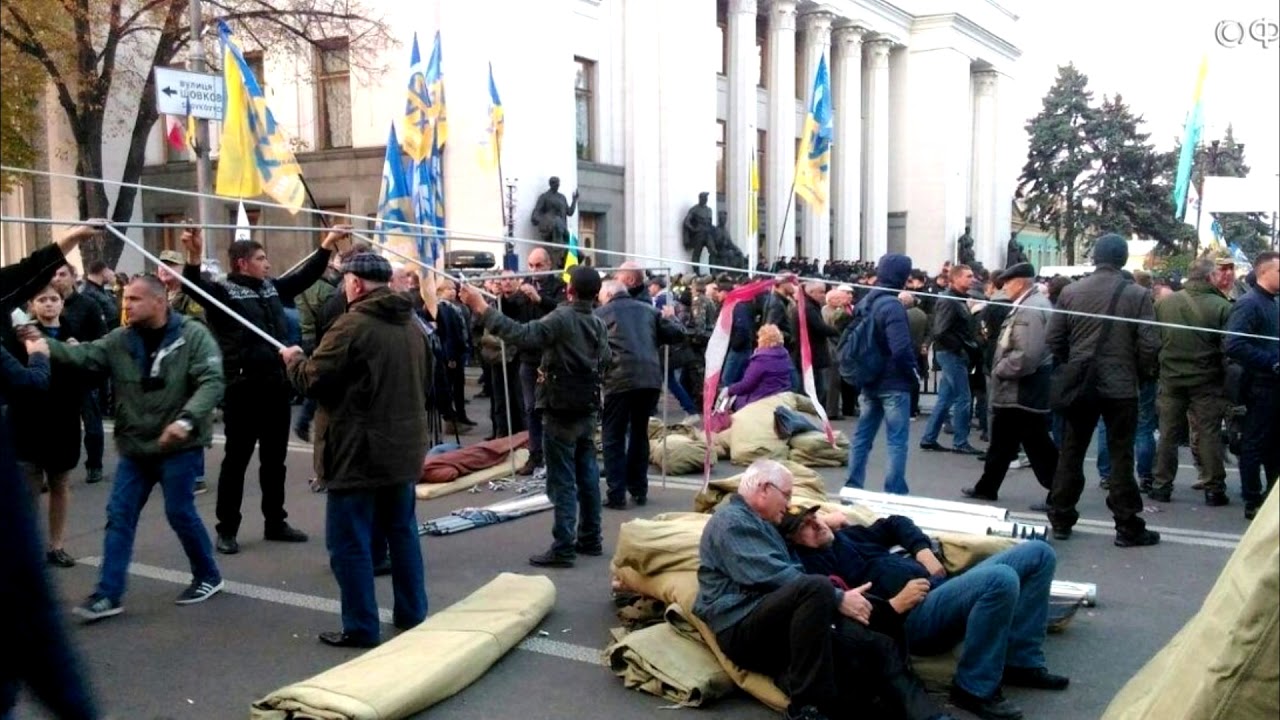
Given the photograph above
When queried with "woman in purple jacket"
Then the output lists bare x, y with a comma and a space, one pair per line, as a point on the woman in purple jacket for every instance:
768, 372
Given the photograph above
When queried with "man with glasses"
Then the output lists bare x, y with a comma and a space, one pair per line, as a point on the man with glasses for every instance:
770, 617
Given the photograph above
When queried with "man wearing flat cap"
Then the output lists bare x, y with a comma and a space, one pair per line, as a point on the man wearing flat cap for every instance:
369, 378
1018, 389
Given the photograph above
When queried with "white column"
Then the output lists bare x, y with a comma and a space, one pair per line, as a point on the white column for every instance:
740, 143
987, 243
642, 176
816, 232
781, 160
875, 217
846, 171
687, 90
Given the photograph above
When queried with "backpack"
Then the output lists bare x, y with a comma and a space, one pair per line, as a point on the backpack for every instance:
862, 361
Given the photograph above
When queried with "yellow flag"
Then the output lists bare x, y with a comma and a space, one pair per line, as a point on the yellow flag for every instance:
238, 174
753, 201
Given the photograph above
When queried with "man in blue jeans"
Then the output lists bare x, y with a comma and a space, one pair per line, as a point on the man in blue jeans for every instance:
998, 608
167, 373
369, 376
889, 396
953, 340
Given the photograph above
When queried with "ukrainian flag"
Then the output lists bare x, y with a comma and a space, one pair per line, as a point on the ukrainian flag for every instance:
571, 257
813, 162
1190, 140
255, 155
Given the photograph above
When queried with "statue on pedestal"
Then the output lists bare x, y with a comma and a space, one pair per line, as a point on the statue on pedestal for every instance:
550, 216
724, 252
1014, 253
964, 248
698, 230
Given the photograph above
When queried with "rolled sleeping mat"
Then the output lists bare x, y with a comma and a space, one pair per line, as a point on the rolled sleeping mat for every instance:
942, 521
867, 496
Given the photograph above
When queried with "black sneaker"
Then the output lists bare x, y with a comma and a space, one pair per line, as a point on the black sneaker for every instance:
199, 591
93, 476
382, 568
1138, 539
227, 545
551, 560
932, 446
1062, 533
284, 532
988, 708
202, 487
96, 608
1035, 678
60, 558
1164, 494
976, 494
966, 450
616, 504
592, 550
1216, 498
1251, 511
1145, 484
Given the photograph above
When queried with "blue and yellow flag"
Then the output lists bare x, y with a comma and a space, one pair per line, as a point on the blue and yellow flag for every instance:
497, 123
1190, 140
571, 257
423, 141
813, 162
395, 206
254, 154
753, 202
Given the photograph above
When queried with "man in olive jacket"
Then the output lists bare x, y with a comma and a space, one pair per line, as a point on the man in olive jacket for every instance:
1191, 379
369, 379
167, 373
1019, 387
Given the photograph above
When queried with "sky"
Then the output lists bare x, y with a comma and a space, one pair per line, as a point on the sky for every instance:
1149, 52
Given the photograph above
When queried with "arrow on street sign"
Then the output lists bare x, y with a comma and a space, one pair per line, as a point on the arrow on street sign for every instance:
169, 91
181, 93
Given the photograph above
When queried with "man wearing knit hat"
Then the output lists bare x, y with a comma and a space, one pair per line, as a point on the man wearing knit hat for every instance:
1111, 357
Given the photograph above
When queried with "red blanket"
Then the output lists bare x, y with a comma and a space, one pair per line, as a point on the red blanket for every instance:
452, 465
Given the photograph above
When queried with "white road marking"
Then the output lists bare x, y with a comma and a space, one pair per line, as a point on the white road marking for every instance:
532, 643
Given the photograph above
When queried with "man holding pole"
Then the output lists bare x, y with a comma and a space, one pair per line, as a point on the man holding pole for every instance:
256, 409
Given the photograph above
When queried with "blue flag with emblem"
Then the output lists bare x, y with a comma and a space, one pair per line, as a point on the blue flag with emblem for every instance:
813, 161
395, 206
425, 130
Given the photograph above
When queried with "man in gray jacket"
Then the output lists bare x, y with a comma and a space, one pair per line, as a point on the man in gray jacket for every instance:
1019, 387
1126, 355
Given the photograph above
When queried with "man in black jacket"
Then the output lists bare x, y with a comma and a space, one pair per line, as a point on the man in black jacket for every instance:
631, 389
574, 349
953, 340
1258, 313
84, 319
256, 407
1128, 355
537, 297
37, 650
812, 300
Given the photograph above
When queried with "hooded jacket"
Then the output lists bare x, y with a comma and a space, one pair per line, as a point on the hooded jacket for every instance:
892, 332
369, 376
182, 380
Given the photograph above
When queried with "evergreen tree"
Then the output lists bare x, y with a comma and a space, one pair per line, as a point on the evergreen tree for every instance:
1225, 158
1053, 184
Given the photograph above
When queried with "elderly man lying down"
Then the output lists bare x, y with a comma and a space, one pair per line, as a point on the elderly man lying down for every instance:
998, 607
771, 617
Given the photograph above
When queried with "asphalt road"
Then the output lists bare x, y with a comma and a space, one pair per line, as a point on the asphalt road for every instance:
158, 660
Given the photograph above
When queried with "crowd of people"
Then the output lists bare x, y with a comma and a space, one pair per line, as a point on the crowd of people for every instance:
376, 354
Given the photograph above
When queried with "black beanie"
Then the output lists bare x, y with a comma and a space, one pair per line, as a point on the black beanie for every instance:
1111, 249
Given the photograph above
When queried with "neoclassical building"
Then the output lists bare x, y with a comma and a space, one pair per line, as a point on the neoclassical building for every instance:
641, 105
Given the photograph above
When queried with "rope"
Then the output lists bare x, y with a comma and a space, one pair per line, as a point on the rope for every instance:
495, 238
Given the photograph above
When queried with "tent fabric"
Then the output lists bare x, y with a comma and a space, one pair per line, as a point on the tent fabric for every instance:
682, 455
811, 449
422, 666
1222, 664
720, 442
430, 491
661, 660
753, 434
447, 467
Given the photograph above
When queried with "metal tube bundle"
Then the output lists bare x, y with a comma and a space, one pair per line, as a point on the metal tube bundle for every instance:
468, 518
867, 497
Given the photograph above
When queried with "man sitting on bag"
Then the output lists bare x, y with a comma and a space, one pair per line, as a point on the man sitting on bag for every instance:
999, 607
770, 617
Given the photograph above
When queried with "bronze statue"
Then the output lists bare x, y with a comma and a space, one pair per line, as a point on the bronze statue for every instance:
551, 213
964, 248
724, 253
698, 231
1014, 253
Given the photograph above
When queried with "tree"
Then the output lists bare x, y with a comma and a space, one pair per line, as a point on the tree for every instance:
1053, 185
86, 49
1224, 157
20, 86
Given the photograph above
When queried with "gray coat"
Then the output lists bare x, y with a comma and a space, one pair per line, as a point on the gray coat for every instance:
1132, 349
1022, 362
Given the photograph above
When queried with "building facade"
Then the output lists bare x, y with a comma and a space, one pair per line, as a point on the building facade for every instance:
641, 105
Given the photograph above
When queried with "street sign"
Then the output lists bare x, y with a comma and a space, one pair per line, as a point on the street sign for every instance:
174, 88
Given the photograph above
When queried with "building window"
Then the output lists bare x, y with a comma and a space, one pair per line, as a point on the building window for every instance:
589, 225
254, 60
584, 86
170, 236
762, 51
720, 152
722, 36
333, 94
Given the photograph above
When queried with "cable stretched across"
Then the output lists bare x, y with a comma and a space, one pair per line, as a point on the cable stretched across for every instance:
675, 262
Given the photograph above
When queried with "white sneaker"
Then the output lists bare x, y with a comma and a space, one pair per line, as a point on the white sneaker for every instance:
1020, 463
692, 420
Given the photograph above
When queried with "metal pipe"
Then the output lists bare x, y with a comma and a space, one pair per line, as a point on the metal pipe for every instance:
868, 496
199, 291
506, 403
666, 396
539, 273
1084, 592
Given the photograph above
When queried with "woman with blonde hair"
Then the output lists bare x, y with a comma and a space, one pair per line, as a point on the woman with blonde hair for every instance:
768, 372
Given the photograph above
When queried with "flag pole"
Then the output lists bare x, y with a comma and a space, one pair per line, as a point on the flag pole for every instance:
312, 198
791, 197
